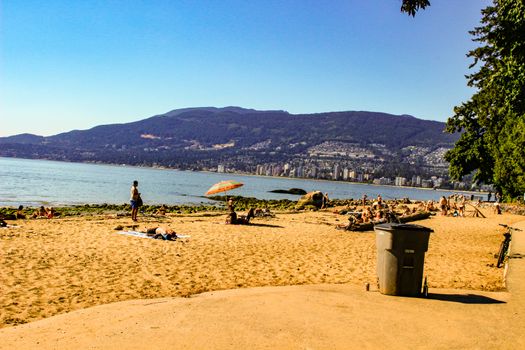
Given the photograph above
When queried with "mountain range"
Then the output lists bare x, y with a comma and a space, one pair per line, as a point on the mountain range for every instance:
202, 138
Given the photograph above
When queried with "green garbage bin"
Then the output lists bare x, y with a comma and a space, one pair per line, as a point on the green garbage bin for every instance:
401, 252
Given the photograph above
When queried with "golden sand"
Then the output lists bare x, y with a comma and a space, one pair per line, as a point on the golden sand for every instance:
49, 267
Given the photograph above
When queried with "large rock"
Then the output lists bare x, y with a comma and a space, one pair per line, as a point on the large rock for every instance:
312, 199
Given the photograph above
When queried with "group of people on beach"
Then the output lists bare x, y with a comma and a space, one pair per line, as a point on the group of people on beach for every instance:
378, 211
234, 219
453, 205
40, 213
231, 218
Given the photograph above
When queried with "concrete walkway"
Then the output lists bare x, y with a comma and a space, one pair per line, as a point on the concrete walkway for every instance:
295, 317
516, 286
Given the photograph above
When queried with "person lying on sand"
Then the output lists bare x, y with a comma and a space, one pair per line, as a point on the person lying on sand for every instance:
263, 213
161, 232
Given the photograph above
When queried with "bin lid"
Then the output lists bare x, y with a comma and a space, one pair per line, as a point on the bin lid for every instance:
392, 226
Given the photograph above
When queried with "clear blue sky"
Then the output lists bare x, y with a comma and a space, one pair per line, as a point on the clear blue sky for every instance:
68, 65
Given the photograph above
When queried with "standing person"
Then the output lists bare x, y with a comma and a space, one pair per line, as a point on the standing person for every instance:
443, 205
134, 199
364, 200
461, 205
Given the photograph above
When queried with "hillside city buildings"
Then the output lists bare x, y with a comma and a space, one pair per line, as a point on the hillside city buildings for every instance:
340, 173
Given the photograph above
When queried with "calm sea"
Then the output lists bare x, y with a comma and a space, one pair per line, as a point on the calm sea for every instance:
43, 182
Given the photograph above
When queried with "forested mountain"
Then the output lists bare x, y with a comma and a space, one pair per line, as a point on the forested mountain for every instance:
204, 137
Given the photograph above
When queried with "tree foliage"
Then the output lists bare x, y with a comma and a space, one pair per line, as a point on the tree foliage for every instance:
492, 122
412, 6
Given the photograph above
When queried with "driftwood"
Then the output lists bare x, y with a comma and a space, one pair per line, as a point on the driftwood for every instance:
369, 226
414, 217
476, 212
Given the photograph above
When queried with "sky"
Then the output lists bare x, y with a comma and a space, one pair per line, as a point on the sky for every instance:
68, 65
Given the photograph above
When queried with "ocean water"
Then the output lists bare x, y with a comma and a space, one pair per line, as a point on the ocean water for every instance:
43, 182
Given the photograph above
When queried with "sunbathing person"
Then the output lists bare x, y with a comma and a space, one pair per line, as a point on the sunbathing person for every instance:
161, 211
20, 213
430, 206
366, 215
162, 232
379, 217
443, 205
380, 203
40, 213
406, 212
233, 219
230, 203
50, 213
263, 212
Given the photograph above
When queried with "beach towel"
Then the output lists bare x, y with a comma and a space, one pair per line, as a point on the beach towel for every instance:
145, 235
11, 226
134, 233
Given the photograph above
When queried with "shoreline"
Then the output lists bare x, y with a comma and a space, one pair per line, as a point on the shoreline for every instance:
251, 175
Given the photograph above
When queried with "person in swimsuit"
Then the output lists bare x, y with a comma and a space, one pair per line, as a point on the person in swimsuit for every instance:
443, 205
134, 197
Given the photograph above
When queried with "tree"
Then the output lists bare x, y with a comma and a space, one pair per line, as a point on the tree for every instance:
492, 122
412, 6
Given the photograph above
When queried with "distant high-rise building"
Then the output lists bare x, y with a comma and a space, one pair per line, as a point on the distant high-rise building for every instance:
400, 181
286, 169
221, 168
345, 174
313, 172
382, 181
337, 170
299, 171
277, 170
261, 169
269, 170
426, 183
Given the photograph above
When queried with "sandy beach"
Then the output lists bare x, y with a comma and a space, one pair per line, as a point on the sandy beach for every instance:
56, 266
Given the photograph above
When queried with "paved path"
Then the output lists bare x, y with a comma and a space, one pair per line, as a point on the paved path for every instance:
516, 286
295, 317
